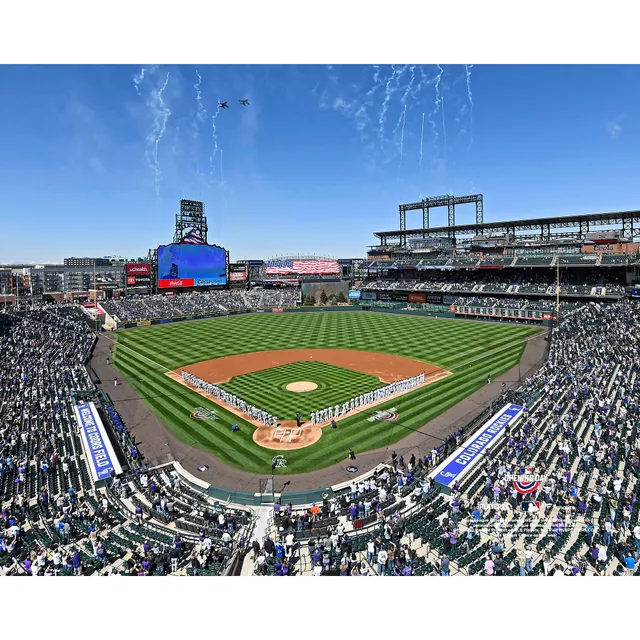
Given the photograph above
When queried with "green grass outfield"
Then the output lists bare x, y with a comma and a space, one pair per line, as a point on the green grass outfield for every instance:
471, 350
267, 389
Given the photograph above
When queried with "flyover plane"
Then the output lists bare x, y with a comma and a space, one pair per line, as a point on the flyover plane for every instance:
223, 105
244, 102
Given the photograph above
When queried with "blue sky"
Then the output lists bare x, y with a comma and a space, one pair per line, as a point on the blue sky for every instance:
319, 160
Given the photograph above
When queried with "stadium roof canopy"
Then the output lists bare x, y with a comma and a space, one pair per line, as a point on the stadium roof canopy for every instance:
628, 220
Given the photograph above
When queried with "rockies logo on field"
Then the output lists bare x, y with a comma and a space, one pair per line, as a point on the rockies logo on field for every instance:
390, 415
204, 414
279, 461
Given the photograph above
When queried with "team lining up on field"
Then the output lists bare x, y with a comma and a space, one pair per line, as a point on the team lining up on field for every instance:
237, 403
317, 417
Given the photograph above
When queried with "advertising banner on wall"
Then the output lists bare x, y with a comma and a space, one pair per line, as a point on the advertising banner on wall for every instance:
238, 272
623, 247
400, 297
354, 294
138, 269
368, 295
384, 295
417, 297
434, 298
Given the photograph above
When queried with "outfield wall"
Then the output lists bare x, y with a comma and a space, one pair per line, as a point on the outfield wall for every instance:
431, 311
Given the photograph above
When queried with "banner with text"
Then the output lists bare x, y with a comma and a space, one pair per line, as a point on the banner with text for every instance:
98, 450
138, 269
470, 453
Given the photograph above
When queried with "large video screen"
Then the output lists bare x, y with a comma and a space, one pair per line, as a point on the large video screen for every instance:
191, 265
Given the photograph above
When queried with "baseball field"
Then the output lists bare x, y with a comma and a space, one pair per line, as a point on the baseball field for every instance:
337, 354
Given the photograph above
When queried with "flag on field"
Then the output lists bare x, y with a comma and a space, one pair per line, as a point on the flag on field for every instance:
303, 267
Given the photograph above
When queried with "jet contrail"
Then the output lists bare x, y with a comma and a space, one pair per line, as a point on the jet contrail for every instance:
444, 130
385, 103
467, 68
201, 113
376, 82
221, 174
162, 117
404, 120
416, 92
421, 140
436, 107
138, 79
215, 139
398, 124
161, 114
407, 92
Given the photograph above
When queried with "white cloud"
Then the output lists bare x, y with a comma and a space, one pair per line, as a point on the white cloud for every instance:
614, 126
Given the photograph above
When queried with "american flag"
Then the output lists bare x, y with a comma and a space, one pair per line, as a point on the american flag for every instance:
193, 237
302, 267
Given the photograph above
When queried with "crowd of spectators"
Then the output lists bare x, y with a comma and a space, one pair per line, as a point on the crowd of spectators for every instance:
487, 283
548, 304
580, 433
136, 308
53, 519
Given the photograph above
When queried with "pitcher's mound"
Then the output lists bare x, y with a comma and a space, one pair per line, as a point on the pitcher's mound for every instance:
301, 387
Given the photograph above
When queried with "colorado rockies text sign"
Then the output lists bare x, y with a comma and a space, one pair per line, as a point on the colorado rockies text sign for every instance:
466, 456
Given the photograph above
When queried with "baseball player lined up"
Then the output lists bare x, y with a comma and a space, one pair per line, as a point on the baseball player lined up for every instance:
228, 398
318, 417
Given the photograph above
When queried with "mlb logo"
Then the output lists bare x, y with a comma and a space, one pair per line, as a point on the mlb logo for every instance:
530, 507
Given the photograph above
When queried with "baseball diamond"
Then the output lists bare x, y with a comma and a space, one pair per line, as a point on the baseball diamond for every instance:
469, 350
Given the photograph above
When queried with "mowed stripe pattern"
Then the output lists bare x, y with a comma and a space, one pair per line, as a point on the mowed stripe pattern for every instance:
266, 389
482, 348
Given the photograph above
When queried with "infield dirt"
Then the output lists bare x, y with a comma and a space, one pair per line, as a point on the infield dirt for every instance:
384, 366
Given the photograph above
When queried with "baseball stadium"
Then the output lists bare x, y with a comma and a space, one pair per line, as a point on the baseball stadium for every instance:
311, 415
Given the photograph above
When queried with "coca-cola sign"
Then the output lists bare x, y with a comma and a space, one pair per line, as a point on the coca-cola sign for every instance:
172, 284
137, 269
